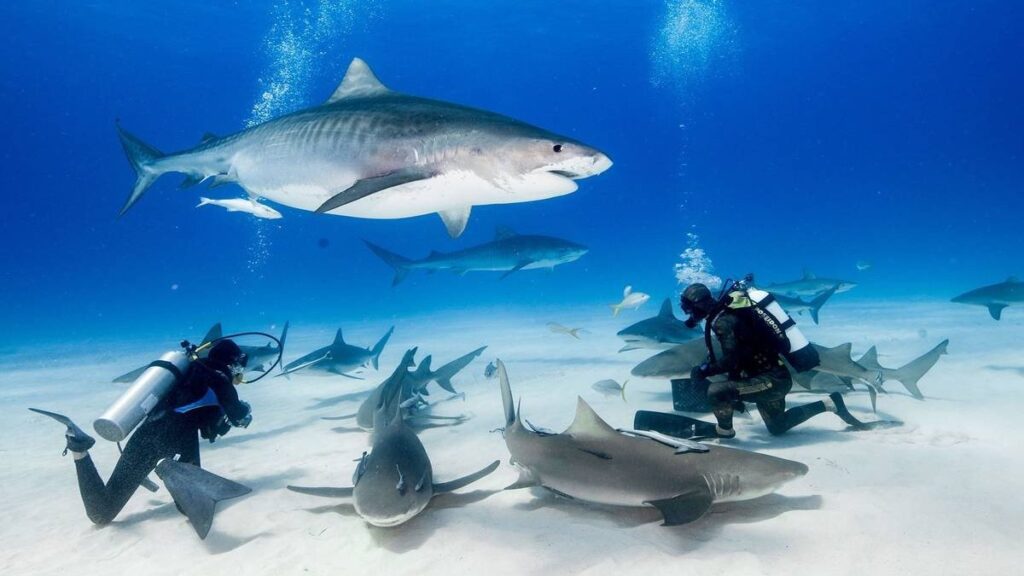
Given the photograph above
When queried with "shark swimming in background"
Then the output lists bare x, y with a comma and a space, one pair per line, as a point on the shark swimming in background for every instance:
339, 357
657, 332
394, 481
508, 252
370, 152
795, 305
995, 297
247, 205
593, 462
810, 285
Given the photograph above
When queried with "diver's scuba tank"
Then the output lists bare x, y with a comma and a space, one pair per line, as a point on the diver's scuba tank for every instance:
143, 395
790, 341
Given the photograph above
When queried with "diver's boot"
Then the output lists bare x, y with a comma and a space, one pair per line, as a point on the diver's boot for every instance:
835, 403
724, 432
78, 442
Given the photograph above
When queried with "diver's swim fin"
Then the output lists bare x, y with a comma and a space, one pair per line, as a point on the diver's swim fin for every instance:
78, 440
673, 424
844, 413
196, 491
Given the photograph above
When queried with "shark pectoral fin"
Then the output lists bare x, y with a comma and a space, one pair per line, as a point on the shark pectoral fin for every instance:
465, 480
996, 310
684, 508
345, 417
519, 266
526, 480
455, 220
340, 373
367, 186
325, 491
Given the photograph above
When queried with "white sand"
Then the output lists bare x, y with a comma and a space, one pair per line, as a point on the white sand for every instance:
940, 495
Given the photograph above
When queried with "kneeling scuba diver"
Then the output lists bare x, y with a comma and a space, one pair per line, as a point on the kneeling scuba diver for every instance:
754, 334
177, 399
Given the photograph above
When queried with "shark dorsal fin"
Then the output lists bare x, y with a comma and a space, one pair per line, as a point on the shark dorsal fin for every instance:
359, 82
587, 423
503, 232
808, 275
214, 333
845, 349
666, 308
869, 359
626, 291
338, 339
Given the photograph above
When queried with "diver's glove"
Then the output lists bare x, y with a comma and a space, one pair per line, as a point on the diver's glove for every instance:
244, 421
701, 372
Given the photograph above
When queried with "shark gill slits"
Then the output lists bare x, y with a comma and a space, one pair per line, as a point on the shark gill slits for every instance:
600, 455
557, 148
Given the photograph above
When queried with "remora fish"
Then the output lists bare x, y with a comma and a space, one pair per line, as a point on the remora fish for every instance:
369, 152
908, 374
630, 299
593, 462
810, 285
795, 305
339, 357
661, 331
508, 252
247, 205
995, 297
393, 482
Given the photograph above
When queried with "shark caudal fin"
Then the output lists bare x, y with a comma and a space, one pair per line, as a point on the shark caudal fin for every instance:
379, 347
142, 157
280, 352
399, 263
911, 372
197, 491
818, 301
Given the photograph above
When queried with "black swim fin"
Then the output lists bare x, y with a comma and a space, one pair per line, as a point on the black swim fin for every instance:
77, 439
844, 413
673, 424
196, 491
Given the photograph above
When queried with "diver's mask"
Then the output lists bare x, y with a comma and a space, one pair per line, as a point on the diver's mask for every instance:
237, 368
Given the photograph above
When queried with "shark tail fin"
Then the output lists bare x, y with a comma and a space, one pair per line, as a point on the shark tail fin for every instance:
911, 372
399, 263
284, 336
197, 492
818, 301
203, 201
615, 309
143, 158
379, 347
506, 395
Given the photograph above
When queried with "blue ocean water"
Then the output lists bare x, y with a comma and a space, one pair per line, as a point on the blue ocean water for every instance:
774, 136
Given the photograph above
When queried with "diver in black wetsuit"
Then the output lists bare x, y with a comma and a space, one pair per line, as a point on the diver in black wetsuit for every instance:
204, 402
752, 341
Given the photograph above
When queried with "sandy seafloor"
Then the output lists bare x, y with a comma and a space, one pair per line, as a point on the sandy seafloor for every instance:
940, 495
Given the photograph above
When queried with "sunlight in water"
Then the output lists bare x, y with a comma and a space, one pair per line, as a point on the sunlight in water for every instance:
695, 35
695, 266
305, 37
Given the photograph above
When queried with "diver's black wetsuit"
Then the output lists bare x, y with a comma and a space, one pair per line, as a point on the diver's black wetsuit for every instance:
756, 373
164, 434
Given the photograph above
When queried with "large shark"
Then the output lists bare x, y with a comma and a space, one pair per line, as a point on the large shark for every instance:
676, 362
508, 252
995, 297
370, 152
658, 332
339, 357
593, 462
394, 481
810, 285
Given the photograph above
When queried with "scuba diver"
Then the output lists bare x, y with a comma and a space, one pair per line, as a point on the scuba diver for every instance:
755, 334
200, 400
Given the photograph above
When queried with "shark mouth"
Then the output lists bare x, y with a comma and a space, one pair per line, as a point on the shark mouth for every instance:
566, 174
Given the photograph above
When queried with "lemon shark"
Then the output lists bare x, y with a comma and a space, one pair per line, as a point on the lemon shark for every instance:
370, 152
593, 462
394, 481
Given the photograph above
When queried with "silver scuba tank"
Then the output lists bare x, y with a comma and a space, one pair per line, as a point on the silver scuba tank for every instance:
138, 401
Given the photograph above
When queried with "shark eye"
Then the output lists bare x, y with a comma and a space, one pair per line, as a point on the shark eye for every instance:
557, 147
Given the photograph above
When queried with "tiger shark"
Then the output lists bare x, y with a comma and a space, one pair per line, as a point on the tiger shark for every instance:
658, 332
371, 152
593, 462
394, 481
339, 357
